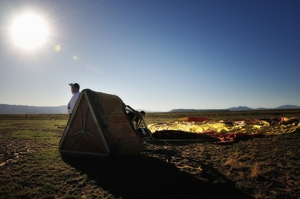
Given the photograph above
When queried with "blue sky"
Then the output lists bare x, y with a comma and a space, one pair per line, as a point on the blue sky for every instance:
156, 55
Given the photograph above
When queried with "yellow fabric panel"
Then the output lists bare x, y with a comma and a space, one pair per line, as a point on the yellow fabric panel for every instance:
241, 126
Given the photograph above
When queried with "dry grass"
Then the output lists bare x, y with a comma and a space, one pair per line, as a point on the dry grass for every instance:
31, 166
233, 164
256, 171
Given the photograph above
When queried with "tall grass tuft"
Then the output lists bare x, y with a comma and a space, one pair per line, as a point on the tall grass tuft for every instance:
256, 171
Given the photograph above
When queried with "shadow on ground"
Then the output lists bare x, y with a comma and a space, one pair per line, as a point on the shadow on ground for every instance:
149, 177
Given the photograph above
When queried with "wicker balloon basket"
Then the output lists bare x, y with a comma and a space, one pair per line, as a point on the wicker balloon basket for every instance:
99, 127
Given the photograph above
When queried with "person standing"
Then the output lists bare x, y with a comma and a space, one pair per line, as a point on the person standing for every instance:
75, 91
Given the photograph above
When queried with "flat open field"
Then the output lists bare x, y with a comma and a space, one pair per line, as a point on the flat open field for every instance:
31, 166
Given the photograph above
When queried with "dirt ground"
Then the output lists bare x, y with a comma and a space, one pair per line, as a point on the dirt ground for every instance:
260, 168
267, 167
195, 170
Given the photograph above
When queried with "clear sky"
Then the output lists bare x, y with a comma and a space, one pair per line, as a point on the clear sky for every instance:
155, 55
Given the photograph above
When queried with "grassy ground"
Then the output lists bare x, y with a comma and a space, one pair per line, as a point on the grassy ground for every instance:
31, 166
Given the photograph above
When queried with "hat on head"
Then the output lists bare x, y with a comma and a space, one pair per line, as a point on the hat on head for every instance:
75, 85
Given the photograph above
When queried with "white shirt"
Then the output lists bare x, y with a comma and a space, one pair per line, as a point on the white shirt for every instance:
72, 102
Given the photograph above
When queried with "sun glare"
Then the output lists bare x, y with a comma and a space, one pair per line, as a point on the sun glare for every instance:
29, 31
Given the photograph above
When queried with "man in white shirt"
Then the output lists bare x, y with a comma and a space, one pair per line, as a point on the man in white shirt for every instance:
75, 90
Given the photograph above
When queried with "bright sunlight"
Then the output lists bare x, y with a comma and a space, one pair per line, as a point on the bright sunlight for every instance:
29, 31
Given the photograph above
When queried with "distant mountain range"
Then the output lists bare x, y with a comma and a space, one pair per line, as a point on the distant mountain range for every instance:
197, 110
23, 109
245, 108
239, 108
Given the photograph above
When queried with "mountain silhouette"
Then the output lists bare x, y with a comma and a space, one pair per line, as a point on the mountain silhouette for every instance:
23, 109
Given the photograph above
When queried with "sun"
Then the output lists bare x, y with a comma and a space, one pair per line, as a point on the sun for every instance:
29, 31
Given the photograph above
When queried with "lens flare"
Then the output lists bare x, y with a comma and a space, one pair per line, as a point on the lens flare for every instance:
57, 48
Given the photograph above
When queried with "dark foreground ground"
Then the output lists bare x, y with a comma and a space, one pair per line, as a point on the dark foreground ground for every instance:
257, 168
267, 167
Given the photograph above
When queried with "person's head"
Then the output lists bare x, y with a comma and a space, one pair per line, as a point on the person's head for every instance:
143, 113
75, 87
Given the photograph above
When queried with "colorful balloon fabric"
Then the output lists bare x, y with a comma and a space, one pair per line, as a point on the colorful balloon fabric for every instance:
224, 131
